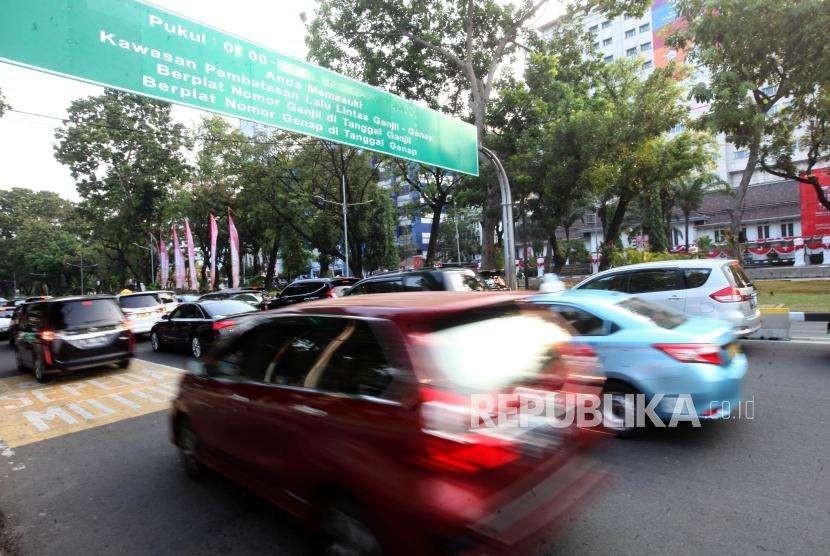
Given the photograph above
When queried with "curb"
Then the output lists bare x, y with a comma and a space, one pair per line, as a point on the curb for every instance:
809, 317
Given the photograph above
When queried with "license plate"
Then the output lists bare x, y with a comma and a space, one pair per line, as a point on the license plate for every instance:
733, 350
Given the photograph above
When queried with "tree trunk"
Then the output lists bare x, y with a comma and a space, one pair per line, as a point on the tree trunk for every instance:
272, 261
556, 254
434, 230
612, 234
738, 202
686, 229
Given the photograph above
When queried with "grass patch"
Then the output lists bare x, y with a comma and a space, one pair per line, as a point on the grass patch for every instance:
797, 295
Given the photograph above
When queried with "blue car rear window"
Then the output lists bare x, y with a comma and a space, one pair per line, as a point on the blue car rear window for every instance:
656, 314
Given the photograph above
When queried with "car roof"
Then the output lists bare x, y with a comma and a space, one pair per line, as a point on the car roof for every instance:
601, 296
404, 305
71, 298
120, 295
673, 263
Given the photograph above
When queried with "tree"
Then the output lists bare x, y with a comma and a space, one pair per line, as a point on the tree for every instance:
689, 191
435, 185
125, 154
802, 126
3, 105
443, 51
757, 53
39, 234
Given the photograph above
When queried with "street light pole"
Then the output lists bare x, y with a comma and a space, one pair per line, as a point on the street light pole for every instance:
152, 260
81, 267
344, 206
457, 240
506, 217
345, 222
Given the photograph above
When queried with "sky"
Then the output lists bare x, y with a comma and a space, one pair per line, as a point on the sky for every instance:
26, 142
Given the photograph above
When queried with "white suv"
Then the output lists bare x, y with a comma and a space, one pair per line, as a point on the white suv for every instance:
716, 288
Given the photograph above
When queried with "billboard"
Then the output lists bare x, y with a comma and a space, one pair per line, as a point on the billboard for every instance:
815, 219
137, 47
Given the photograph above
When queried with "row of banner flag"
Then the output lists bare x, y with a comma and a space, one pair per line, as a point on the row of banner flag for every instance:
178, 257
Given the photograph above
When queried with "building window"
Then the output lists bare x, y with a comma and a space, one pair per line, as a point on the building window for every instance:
607, 41
763, 231
609, 58
678, 128
425, 237
720, 235
595, 45
741, 154
647, 64
787, 229
631, 52
593, 28
606, 24
630, 33
645, 27
626, 17
645, 47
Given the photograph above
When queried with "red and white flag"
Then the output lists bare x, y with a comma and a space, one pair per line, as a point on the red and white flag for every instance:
214, 232
234, 251
191, 256
178, 259
164, 262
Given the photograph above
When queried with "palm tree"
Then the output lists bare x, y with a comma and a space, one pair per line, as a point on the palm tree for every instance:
689, 193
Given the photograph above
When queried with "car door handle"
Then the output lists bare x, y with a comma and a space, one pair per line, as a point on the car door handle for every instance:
238, 398
309, 410
675, 298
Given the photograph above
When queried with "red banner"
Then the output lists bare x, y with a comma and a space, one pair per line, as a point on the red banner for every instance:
164, 262
815, 219
191, 256
214, 232
234, 251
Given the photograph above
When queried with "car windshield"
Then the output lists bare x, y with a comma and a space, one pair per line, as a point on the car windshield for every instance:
656, 314
218, 309
85, 312
458, 350
464, 281
139, 301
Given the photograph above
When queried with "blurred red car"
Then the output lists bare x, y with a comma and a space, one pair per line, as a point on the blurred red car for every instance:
354, 414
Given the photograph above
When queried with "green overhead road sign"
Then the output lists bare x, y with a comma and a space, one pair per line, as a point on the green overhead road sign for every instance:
137, 47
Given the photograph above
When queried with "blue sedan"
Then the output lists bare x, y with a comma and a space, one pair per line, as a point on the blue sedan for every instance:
646, 349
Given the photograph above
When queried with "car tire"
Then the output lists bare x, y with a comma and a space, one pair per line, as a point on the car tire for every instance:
188, 448
345, 530
155, 342
196, 349
613, 415
39, 370
123, 364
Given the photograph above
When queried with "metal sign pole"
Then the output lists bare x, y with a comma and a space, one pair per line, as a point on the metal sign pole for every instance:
506, 218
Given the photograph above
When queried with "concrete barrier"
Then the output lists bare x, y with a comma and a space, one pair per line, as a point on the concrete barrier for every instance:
775, 324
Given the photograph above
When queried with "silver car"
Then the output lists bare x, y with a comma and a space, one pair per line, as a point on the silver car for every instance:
716, 288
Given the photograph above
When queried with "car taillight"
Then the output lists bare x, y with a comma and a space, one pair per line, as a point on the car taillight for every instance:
450, 442
693, 353
222, 324
729, 294
47, 335
330, 293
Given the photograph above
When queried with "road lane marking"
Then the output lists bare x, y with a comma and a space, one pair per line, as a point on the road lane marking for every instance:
31, 412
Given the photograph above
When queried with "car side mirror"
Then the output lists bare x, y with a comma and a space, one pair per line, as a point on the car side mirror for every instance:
345, 290
165, 316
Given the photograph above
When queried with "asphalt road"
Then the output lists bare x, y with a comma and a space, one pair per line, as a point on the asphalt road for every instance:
740, 486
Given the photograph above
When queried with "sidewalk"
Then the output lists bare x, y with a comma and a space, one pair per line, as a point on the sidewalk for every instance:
800, 330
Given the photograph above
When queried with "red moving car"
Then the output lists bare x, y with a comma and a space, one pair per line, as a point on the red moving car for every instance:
354, 414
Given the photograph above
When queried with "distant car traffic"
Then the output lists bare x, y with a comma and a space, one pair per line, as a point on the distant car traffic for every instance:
714, 288
142, 309
644, 348
167, 298
431, 279
186, 297
354, 414
228, 293
66, 334
5, 320
195, 326
310, 289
